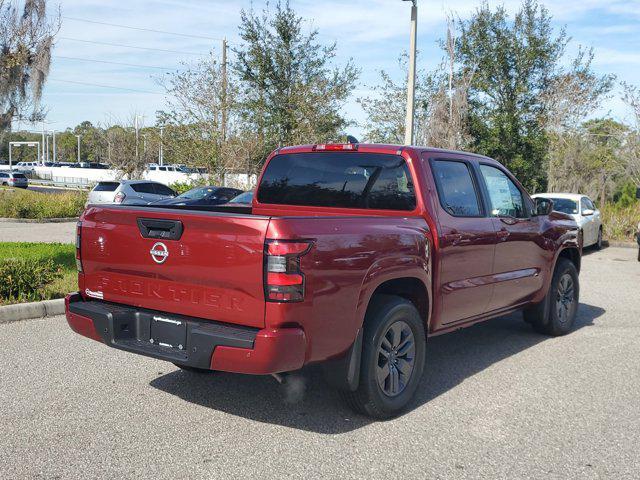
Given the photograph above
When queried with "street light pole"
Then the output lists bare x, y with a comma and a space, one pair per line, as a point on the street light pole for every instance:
411, 83
78, 148
55, 157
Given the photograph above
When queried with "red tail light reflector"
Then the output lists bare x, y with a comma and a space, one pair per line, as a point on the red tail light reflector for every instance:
284, 281
78, 246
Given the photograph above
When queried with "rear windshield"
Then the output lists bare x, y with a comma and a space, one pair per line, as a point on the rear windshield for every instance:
338, 179
19, 175
106, 187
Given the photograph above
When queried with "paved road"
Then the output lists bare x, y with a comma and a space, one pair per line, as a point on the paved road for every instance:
38, 232
498, 401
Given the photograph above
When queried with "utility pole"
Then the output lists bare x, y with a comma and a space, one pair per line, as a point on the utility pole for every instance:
55, 156
78, 136
41, 159
160, 152
411, 83
223, 72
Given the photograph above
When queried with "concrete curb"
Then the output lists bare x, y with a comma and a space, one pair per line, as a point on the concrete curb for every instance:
38, 220
27, 311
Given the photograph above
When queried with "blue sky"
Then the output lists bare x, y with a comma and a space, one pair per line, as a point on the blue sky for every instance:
372, 32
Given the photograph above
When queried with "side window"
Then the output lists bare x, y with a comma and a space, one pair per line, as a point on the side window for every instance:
456, 189
143, 188
506, 197
588, 204
162, 189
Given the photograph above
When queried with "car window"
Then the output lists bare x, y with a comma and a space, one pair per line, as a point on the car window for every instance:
19, 175
338, 179
143, 188
589, 204
565, 205
456, 189
506, 198
4, 175
162, 189
106, 187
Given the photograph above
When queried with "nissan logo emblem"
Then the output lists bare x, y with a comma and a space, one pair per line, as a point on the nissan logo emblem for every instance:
159, 252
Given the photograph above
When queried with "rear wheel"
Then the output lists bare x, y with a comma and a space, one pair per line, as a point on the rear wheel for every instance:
555, 315
393, 355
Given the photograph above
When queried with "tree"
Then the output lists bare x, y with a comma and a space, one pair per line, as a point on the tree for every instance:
517, 64
197, 96
26, 39
589, 159
289, 92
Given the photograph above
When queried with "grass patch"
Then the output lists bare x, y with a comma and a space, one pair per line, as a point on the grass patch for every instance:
63, 257
17, 203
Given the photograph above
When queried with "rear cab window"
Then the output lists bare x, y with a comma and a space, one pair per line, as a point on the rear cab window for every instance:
338, 179
456, 187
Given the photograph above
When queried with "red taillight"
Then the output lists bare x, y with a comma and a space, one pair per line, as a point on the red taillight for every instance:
332, 147
119, 198
284, 282
78, 246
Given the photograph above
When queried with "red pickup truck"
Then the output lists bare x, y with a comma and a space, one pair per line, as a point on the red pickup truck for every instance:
349, 256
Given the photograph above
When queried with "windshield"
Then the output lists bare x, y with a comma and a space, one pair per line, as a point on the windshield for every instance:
198, 193
565, 205
245, 197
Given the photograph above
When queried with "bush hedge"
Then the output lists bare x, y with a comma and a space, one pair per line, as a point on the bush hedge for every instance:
24, 279
36, 271
16, 203
620, 222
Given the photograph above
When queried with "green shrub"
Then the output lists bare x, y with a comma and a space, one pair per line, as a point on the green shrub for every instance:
620, 222
181, 187
16, 203
25, 279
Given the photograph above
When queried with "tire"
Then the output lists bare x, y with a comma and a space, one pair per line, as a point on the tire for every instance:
598, 244
556, 314
187, 368
391, 322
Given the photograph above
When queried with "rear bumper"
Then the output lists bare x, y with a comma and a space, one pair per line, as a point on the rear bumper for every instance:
208, 345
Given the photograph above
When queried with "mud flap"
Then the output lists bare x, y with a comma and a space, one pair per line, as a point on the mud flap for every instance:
343, 373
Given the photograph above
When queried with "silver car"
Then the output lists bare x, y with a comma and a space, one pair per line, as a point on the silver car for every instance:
129, 192
13, 179
585, 213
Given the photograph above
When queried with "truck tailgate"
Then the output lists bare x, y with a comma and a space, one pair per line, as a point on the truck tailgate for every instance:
213, 270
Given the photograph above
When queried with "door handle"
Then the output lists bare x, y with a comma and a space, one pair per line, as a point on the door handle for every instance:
453, 238
503, 234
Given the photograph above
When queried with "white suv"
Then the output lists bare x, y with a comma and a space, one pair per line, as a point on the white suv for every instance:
129, 192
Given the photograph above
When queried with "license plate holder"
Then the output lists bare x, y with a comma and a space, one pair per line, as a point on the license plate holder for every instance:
168, 333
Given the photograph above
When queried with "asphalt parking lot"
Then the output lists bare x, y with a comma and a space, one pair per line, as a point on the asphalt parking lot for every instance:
497, 401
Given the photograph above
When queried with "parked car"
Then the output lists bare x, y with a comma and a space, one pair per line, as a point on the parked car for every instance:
26, 167
583, 210
129, 192
14, 179
244, 198
202, 196
350, 257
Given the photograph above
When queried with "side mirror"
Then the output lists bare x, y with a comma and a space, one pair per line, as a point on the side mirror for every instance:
543, 206
638, 193
588, 212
